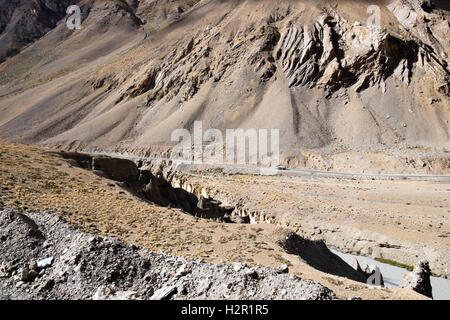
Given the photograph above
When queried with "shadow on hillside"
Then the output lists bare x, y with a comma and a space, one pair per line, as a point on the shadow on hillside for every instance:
316, 254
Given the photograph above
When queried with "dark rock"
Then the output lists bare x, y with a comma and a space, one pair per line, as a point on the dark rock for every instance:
22, 22
252, 274
116, 168
26, 274
419, 279
44, 263
316, 254
83, 160
164, 293
355, 265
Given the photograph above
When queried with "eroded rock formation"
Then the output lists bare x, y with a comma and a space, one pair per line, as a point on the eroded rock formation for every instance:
419, 279
154, 188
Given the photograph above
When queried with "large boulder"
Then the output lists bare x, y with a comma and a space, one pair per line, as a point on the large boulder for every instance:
116, 169
419, 279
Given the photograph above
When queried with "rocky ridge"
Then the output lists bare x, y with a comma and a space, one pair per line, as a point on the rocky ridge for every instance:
335, 54
154, 187
42, 257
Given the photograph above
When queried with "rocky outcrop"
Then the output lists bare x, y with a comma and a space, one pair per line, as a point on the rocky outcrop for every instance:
161, 192
429, 30
194, 62
335, 54
207, 207
153, 187
116, 169
354, 263
419, 279
86, 267
78, 159
372, 273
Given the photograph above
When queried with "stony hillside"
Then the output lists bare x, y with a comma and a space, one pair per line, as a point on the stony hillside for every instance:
45, 258
24, 21
137, 70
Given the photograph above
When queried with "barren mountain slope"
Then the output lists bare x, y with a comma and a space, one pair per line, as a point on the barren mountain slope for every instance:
315, 70
24, 21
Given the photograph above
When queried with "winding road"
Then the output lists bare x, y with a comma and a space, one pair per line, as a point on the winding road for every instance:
184, 165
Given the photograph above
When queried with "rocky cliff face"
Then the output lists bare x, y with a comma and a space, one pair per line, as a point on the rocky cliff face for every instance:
154, 187
23, 22
419, 279
336, 54
321, 73
426, 28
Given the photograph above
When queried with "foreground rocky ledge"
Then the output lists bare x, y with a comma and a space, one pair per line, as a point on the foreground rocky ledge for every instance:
43, 257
